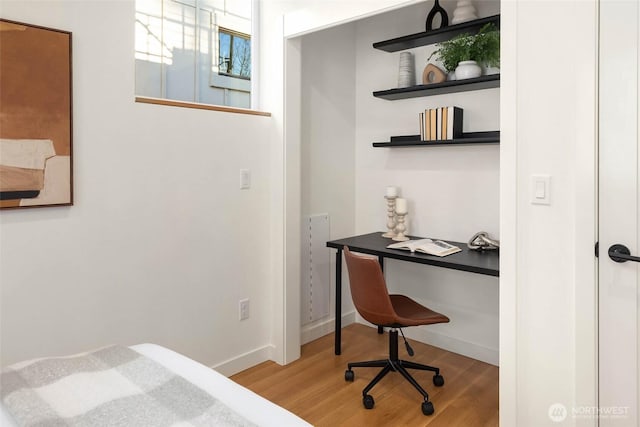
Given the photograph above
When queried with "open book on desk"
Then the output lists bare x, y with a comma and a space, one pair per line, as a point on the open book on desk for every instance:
427, 246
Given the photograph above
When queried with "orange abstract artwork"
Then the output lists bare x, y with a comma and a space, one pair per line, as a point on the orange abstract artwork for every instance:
35, 116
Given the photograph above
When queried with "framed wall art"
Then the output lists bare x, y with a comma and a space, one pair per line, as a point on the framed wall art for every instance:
36, 164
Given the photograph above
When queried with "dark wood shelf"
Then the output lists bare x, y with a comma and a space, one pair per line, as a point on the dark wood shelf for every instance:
450, 86
468, 138
435, 36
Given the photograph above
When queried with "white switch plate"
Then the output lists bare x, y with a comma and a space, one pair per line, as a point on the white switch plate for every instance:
245, 179
540, 189
243, 307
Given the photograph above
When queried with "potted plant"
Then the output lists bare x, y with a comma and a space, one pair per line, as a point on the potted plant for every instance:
464, 52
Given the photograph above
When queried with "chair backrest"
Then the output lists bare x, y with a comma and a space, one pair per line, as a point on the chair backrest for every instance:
369, 290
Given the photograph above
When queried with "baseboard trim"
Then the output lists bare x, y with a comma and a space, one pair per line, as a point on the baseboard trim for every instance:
455, 345
316, 330
245, 361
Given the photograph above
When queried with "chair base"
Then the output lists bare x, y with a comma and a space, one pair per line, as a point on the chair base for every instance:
393, 363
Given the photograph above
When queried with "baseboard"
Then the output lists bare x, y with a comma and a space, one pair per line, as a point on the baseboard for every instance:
245, 361
455, 345
319, 329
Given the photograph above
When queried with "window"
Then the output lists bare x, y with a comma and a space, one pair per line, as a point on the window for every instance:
234, 54
194, 51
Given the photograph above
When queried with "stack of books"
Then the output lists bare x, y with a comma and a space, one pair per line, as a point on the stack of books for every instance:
442, 123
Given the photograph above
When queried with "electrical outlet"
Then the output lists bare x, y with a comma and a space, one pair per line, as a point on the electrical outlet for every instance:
244, 309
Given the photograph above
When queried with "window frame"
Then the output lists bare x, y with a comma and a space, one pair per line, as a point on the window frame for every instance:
233, 34
220, 80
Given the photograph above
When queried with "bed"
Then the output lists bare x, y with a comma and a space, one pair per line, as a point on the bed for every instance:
233, 405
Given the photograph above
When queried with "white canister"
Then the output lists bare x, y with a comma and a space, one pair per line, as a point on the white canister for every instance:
468, 70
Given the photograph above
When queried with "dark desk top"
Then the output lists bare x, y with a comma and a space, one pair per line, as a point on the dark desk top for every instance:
487, 262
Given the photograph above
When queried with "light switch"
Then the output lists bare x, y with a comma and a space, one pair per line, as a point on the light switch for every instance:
540, 190
245, 179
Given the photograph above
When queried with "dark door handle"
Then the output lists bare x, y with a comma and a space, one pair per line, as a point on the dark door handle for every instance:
620, 253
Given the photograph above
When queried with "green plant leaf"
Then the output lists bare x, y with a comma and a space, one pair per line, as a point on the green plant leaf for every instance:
483, 47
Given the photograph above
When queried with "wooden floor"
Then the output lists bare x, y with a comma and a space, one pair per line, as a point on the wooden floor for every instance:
313, 387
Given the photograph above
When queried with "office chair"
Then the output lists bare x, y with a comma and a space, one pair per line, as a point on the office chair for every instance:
375, 305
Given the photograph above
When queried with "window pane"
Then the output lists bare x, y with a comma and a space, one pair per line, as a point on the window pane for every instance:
241, 57
225, 52
180, 38
194, 50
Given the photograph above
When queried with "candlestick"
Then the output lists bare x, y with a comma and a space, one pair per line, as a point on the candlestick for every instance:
401, 206
392, 191
391, 216
400, 228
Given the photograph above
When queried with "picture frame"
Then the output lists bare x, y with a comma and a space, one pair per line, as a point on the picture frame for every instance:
36, 116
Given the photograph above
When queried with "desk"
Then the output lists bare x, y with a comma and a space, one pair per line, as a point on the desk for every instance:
374, 244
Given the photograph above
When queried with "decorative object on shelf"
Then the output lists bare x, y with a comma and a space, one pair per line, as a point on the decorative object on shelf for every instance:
391, 195
437, 9
468, 70
401, 212
483, 47
406, 71
433, 74
464, 11
487, 46
441, 124
488, 70
482, 242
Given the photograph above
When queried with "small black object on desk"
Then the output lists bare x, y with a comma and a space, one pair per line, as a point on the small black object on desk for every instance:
487, 263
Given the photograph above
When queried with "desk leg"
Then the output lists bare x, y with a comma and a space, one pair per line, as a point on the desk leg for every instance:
381, 262
338, 321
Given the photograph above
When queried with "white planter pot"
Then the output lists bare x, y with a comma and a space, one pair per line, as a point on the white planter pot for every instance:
487, 71
468, 70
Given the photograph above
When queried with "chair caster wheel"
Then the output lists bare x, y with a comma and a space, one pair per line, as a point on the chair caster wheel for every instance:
427, 408
438, 380
348, 375
368, 402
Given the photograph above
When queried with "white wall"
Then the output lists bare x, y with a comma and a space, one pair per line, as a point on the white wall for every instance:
548, 308
315, 15
328, 123
161, 243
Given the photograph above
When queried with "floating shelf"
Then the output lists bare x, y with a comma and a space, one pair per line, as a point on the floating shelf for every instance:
450, 86
469, 138
435, 36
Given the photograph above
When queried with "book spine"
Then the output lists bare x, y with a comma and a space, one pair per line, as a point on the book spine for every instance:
421, 118
427, 125
445, 114
454, 122
457, 122
434, 124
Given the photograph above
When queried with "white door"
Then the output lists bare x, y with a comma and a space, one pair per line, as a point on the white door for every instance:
619, 285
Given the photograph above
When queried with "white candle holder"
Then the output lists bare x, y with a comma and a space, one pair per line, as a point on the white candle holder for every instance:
391, 216
400, 228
